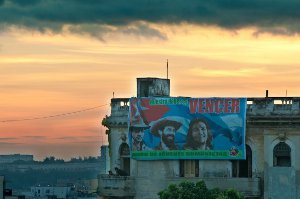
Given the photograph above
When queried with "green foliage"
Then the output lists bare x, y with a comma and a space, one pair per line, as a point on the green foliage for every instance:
232, 194
214, 193
190, 190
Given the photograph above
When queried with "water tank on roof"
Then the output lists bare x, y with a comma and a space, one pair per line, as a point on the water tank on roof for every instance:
153, 87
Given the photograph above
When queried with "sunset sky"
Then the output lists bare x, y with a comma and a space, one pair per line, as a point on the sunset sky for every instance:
61, 56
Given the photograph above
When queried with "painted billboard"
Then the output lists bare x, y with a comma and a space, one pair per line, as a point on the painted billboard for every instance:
187, 128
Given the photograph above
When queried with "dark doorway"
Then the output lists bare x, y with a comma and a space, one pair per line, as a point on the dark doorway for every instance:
243, 168
125, 157
189, 168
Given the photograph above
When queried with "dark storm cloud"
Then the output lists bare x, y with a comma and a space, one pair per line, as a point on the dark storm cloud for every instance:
277, 16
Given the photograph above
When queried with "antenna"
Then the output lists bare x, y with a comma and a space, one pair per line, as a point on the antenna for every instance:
167, 69
113, 94
286, 93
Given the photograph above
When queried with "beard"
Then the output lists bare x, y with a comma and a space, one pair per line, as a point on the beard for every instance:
168, 140
197, 142
138, 138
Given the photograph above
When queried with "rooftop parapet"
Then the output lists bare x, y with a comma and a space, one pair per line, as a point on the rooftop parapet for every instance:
119, 113
255, 106
119, 106
116, 186
272, 106
271, 109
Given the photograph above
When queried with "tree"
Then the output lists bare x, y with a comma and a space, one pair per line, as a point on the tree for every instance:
230, 194
190, 190
50, 159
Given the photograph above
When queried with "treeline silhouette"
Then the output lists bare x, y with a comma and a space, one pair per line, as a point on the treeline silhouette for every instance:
52, 159
26, 179
74, 170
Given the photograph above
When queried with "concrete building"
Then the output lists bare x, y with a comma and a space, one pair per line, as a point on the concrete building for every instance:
104, 159
1, 187
60, 192
271, 169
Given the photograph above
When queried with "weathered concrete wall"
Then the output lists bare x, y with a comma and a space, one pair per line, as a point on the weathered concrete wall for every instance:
255, 139
281, 183
155, 168
151, 176
215, 168
294, 138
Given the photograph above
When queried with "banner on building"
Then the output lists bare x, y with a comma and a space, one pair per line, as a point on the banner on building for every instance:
187, 128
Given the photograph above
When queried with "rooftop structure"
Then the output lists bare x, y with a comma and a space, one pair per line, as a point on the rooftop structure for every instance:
271, 168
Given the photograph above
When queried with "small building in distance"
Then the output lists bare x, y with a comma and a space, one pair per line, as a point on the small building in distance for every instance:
57, 192
271, 168
1, 187
15, 157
